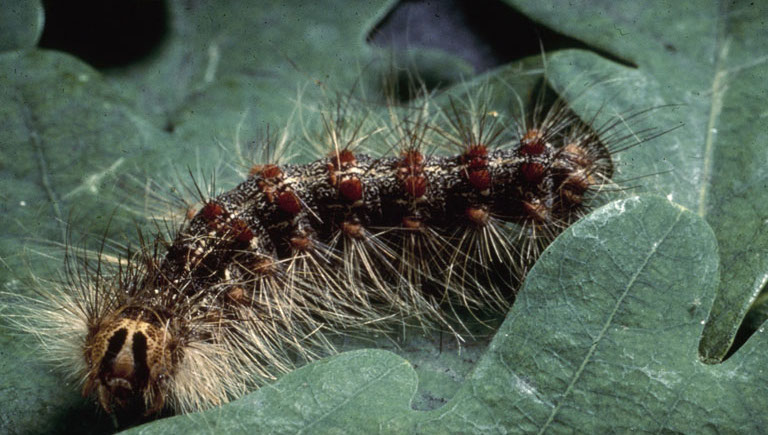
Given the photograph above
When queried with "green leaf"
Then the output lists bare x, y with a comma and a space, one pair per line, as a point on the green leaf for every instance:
66, 136
605, 333
21, 24
710, 58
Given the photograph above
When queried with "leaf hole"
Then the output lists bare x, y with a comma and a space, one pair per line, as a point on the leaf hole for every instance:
105, 34
484, 33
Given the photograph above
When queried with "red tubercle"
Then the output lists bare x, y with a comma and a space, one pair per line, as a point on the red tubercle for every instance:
532, 143
347, 156
477, 163
411, 222
411, 159
533, 134
262, 266
331, 173
191, 212
571, 198
237, 294
288, 202
577, 155
477, 215
351, 189
268, 171
476, 159
475, 154
532, 172
353, 229
480, 179
578, 181
340, 161
415, 185
211, 212
271, 171
535, 148
410, 173
343, 159
268, 190
536, 211
301, 243
241, 231
271, 176
477, 150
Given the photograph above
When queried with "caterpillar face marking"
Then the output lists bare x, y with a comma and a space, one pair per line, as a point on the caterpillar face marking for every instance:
129, 357
259, 275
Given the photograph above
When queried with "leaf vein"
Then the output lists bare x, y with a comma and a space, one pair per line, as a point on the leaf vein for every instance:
37, 144
606, 325
718, 89
352, 396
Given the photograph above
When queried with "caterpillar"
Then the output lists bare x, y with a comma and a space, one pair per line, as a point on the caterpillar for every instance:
267, 272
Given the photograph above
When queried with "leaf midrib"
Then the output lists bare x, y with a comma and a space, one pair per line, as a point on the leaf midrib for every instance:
607, 324
716, 103
357, 393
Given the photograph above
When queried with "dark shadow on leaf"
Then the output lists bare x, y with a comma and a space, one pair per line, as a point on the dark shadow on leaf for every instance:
105, 34
485, 33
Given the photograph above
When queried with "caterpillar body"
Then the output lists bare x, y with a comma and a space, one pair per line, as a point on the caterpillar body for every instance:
269, 270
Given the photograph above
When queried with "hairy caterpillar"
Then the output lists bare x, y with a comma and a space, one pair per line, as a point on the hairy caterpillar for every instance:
260, 272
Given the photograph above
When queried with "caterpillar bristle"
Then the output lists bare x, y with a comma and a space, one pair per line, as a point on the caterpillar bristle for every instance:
418, 214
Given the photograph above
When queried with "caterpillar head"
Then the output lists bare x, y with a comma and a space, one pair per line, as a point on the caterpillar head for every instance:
129, 360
